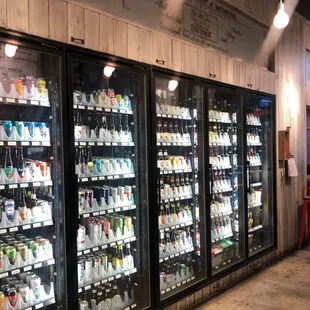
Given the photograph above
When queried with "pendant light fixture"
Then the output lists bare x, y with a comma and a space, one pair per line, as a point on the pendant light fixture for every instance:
281, 20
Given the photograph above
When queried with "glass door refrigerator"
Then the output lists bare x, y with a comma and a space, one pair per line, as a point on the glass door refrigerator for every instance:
109, 130
260, 156
32, 255
226, 178
179, 216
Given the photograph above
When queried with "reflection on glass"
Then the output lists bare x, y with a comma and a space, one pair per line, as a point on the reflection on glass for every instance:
110, 140
179, 153
259, 116
225, 145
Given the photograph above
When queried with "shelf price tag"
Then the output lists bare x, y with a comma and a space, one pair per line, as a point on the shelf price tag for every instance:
16, 271
13, 229
38, 306
3, 275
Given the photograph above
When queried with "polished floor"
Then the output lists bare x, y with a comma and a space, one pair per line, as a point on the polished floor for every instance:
283, 285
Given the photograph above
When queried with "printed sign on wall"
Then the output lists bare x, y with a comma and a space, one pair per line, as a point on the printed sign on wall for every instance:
204, 22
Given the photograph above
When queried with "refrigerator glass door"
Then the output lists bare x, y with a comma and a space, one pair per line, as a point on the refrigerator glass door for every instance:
110, 158
226, 178
31, 180
260, 166
180, 166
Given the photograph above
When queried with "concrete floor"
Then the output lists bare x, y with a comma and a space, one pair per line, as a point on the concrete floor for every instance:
283, 285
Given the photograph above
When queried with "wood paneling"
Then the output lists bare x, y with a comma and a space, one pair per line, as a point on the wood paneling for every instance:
133, 42
190, 59
17, 15
145, 46
202, 68
177, 55
213, 66
120, 38
106, 34
161, 50
92, 27
58, 20
38, 25
2, 13
76, 25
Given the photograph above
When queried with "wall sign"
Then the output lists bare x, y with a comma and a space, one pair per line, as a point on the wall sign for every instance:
204, 22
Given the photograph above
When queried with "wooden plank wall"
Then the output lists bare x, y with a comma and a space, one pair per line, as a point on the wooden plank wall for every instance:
96, 30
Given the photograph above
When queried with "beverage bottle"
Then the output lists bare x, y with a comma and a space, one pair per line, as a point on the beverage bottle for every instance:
126, 125
8, 164
186, 180
165, 155
165, 130
50, 195
129, 287
160, 158
173, 215
108, 298
162, 242
33, 204
112, 127
120, 255
114, 257
14, 155
20, 163
162, 215
89, 160
116, 295
100, 302
82, 160
172, 184
119, 124
159, 131
93, 299
176, 127
170, 128
21, 204
104, 124
28, 198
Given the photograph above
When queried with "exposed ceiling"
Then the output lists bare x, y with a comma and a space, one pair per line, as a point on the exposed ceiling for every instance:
303, 8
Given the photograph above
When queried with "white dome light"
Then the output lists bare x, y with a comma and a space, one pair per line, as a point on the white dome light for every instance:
173, 84
10, 50
281, 20
107, 71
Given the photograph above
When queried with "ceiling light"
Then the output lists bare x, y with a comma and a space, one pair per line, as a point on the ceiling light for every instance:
173, 84
107, 71
281, 19
10, 50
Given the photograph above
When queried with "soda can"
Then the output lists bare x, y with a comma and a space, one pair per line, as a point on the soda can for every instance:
30, 85
126, 100
10, 252
104, 261
29, 276
117, 224
96, 265
81, 272
89, 269
183, 269
45, 246
81, 237
20, 128
91, 231
89, 196
35, 285
31, 128
23, 252
81, 200
121, 192
34, 248
121, 162
9, 209
8, 128
98, 165
2, 301
106, 227
114, 193
98, 231
12, 296
43, 129
111, 96
128, 191
24, 292
43, 168
41, 85
83, 305
106, 164
128, 224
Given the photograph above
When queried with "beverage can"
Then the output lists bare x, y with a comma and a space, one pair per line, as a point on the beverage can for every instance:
45, 246
24, 292
98, 231
12, 296
1, 300
89, 268
106, 227
106, 194
43, 168
121, 192
104, 96
30, 85
106, 164
83, 305
128, 224
163, 276
96, 265
119, 100
20, 128
10, 252
111, 96
98, 165
8, 128
43, 129
128, 192
91, 231
41, 85
81, 200
31, 128
81, 272
114, 193
19, 86
118, 224
23, 251
89, 196
34, 248
35, 285
126, 100
81, 237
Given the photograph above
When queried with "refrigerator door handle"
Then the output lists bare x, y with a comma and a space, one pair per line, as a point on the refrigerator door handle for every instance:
158, 186
211, 184
248, 175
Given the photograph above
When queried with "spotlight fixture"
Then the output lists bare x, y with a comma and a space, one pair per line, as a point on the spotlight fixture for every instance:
10, 50
107, 71
173, 84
